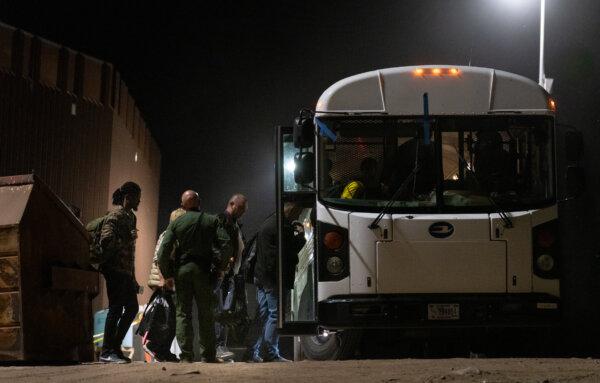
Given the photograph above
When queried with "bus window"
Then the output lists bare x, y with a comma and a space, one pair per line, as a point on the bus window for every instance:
486, 161
508, 160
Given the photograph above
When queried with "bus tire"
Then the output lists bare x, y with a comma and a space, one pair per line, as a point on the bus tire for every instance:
336, 346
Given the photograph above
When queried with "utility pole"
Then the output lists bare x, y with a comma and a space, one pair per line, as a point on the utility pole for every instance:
544, 82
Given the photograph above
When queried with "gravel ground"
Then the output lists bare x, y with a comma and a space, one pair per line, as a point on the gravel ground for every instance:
385, 371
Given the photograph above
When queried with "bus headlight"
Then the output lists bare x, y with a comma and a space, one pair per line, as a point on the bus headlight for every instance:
545, 262
335, 265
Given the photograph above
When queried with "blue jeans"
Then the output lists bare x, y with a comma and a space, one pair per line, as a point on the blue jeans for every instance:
267, 318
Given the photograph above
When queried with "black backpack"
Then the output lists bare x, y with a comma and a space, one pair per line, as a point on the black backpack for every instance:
249, 259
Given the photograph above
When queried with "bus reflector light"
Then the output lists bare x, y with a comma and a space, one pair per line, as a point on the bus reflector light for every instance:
545, 238
333, 240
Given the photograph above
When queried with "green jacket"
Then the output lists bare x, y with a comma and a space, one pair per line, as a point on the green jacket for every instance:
117, 239
200, 238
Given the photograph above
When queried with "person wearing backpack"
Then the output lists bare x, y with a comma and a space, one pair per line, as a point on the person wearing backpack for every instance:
117, 246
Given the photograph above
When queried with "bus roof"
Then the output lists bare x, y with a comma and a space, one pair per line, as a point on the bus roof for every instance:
452, 90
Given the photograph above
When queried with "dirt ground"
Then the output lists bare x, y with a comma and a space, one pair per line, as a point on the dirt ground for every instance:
385, 371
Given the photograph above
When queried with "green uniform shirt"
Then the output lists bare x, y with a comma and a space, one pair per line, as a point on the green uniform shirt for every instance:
200, 238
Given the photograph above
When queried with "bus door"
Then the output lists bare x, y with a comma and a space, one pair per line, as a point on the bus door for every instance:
295, 223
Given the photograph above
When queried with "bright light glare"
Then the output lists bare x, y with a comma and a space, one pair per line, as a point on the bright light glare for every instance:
418, 71
513, 3
453, 71
289, 166
436, 71
517, 7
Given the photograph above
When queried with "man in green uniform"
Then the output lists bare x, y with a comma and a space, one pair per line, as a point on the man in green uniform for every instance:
201, 242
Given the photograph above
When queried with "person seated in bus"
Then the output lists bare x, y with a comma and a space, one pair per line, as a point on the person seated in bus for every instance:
366, 186
495, 167
332, 188
402, 165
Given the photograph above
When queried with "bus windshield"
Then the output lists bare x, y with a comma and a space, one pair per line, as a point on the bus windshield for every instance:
478, 163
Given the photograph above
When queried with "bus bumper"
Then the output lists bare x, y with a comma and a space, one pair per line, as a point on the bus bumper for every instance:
439, 310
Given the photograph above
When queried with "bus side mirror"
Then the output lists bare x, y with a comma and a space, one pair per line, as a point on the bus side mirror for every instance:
575, 181
573, 145
304, 131
304, 170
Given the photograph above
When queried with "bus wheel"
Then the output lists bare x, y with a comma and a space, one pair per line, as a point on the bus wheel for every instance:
331, 346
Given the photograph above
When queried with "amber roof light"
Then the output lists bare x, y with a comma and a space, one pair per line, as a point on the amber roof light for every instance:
419, 72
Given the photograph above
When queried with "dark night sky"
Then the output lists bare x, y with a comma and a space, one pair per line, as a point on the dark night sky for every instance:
213, 78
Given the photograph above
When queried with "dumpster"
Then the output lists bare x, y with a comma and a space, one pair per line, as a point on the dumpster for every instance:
46, 283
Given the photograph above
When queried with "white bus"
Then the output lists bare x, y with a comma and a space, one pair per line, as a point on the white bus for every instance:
428, 198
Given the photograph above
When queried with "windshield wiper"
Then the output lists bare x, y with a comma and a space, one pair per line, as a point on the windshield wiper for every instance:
504, 216
413, 174
395, 196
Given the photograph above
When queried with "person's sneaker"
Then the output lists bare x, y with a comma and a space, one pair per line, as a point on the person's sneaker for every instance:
120, 354
278, 359
253, 359
251, 356
213, 360
112, 358
224, 353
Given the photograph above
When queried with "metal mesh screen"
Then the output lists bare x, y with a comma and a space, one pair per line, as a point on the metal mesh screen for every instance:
348, 153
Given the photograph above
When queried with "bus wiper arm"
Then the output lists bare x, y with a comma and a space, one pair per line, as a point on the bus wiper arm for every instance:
501, 212
395, 196
413, 174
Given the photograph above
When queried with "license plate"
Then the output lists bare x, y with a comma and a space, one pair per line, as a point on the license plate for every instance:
443, 311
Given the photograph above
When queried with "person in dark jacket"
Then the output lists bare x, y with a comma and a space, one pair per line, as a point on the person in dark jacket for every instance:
266, 281
229, 219
117, 240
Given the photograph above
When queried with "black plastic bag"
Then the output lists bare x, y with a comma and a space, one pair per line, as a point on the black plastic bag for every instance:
235, 310
158, 321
